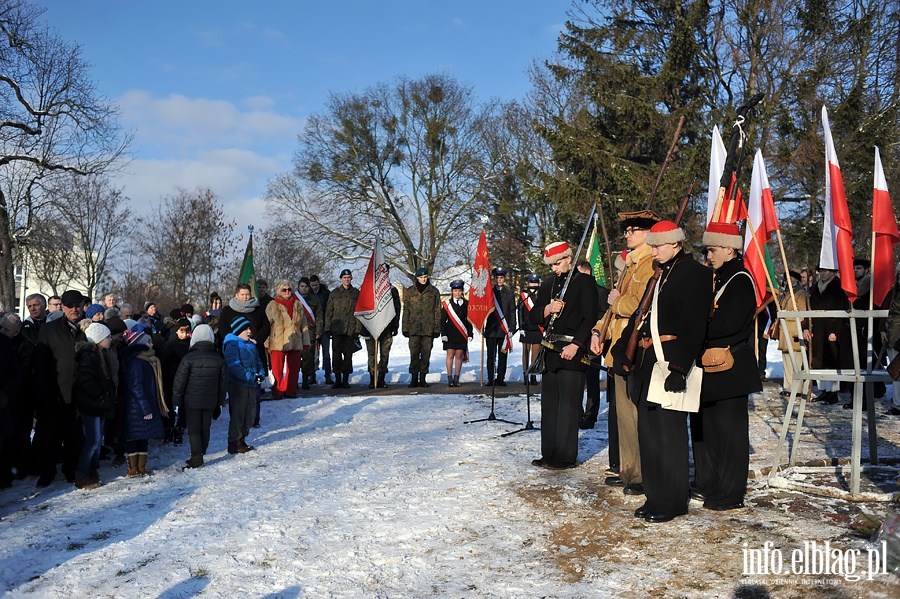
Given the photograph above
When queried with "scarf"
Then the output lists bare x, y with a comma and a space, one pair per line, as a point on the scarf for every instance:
288, 305
149, 357
420, 287
243, 307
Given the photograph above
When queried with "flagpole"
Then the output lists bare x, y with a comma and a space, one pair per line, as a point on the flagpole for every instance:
762, 259
786, 269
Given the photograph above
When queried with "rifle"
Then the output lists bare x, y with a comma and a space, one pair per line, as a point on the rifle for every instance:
647, 299
538, 366
735, 146
607, 318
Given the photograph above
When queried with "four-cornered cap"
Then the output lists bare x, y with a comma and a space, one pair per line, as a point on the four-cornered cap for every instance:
422, 272
665, 231
239, 324
642, 219
72, 297
499, 272
723, 235
555, 252
346, 272
794, 274
533, 278
456, 285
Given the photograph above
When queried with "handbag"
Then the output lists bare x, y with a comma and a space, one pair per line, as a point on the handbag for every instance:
717, 359
894, 369
685, 401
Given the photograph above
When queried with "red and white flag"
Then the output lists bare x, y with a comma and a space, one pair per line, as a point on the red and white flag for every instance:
884, 226
481, 293
306, 309
837, 234
375, 307
717, 155
762, 218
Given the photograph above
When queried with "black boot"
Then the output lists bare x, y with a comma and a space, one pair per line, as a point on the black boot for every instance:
346, 378
382, 384
371, 381
414, 380
422, 382
328, 379
305, 384
337, 384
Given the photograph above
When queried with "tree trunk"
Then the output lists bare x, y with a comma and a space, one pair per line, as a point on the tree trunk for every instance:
7, 264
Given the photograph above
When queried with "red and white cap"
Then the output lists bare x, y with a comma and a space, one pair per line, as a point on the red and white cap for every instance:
723, 235
665, 231
556, 251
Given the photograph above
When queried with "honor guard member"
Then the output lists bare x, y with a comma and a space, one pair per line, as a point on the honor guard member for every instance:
532, 333
720, 431
684, 300
500, 325
421, 325
623, 302
343, 327
828, 338
456, 331
563, 381
385, 341
316, 317
790, 334
592, 375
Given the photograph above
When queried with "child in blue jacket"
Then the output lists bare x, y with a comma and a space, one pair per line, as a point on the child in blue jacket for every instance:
245, 374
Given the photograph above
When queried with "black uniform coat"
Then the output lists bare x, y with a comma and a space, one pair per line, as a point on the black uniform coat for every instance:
507, 301
576, 319
825, 353
685, 297
531, 331
455, 339
731, 325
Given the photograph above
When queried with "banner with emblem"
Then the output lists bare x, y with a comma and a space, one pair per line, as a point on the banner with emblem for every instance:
481, 293
375, 307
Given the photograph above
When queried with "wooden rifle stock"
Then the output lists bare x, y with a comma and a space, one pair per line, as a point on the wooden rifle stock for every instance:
647, 299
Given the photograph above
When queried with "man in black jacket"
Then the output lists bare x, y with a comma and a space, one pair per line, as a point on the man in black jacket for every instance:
828, 338
684, 300
323, 345
494, 334
57, 425
563, 381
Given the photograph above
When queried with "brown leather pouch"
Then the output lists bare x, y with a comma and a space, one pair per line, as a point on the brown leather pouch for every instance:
894, 369
717, 359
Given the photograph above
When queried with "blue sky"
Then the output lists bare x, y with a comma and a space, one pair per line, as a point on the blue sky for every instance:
216, 92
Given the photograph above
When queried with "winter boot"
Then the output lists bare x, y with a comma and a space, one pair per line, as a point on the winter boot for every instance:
422, 382
305, 384
456, 381
142, 464
533, 380
371, 381
346, 379
336, 383
243, 447
132, 465
234, 448
83, 481
178, 435
169, 434
328, 379
381, 384
414, 380
196, 461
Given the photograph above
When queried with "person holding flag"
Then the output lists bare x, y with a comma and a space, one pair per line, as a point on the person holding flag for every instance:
456, 331
720, 430
421, 325
531, 335
378, 308
289, 337
499, 329
309, 301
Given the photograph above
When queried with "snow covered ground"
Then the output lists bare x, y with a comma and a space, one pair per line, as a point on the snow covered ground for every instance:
366, 494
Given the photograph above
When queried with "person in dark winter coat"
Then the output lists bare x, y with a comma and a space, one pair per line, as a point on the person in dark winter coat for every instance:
324, 344
10, 384
244, 304
245, 375
173, 352
828, 338
94, 395
456, 331
57, 427
343, 327
199, 390
421, 324
497, 327
684, 300
531, 334
562, 386
316, 317
144, 407
720, 430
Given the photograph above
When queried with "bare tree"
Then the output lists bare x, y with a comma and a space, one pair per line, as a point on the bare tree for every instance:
281, 250
418, 155
52, 119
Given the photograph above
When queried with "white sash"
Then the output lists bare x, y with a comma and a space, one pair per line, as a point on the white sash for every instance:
454, 317
306, 308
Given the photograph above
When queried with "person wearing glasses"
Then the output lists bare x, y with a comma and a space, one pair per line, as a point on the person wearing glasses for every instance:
289, 337
54, 304
57, 428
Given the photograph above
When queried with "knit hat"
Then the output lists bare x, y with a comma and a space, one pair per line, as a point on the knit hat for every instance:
148, 304
129, 322
555, 252
422, 272
96, 332
175, 314
93, 310
665, 231
136, 337
181, 323
723, 235
115, 325
239, 324
203, 332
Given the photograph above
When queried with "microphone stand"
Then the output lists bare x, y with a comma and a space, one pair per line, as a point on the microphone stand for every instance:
492, 417
529, 424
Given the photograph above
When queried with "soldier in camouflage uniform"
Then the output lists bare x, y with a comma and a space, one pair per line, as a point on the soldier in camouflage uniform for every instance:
308, 357
421, 324
344, 328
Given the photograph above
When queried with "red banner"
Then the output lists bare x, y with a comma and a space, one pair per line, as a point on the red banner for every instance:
481, 293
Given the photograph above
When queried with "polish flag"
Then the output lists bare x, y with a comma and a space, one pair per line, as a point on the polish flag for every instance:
717, 155
375, 307
837, 234
884, 226
764, 221
481, 293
